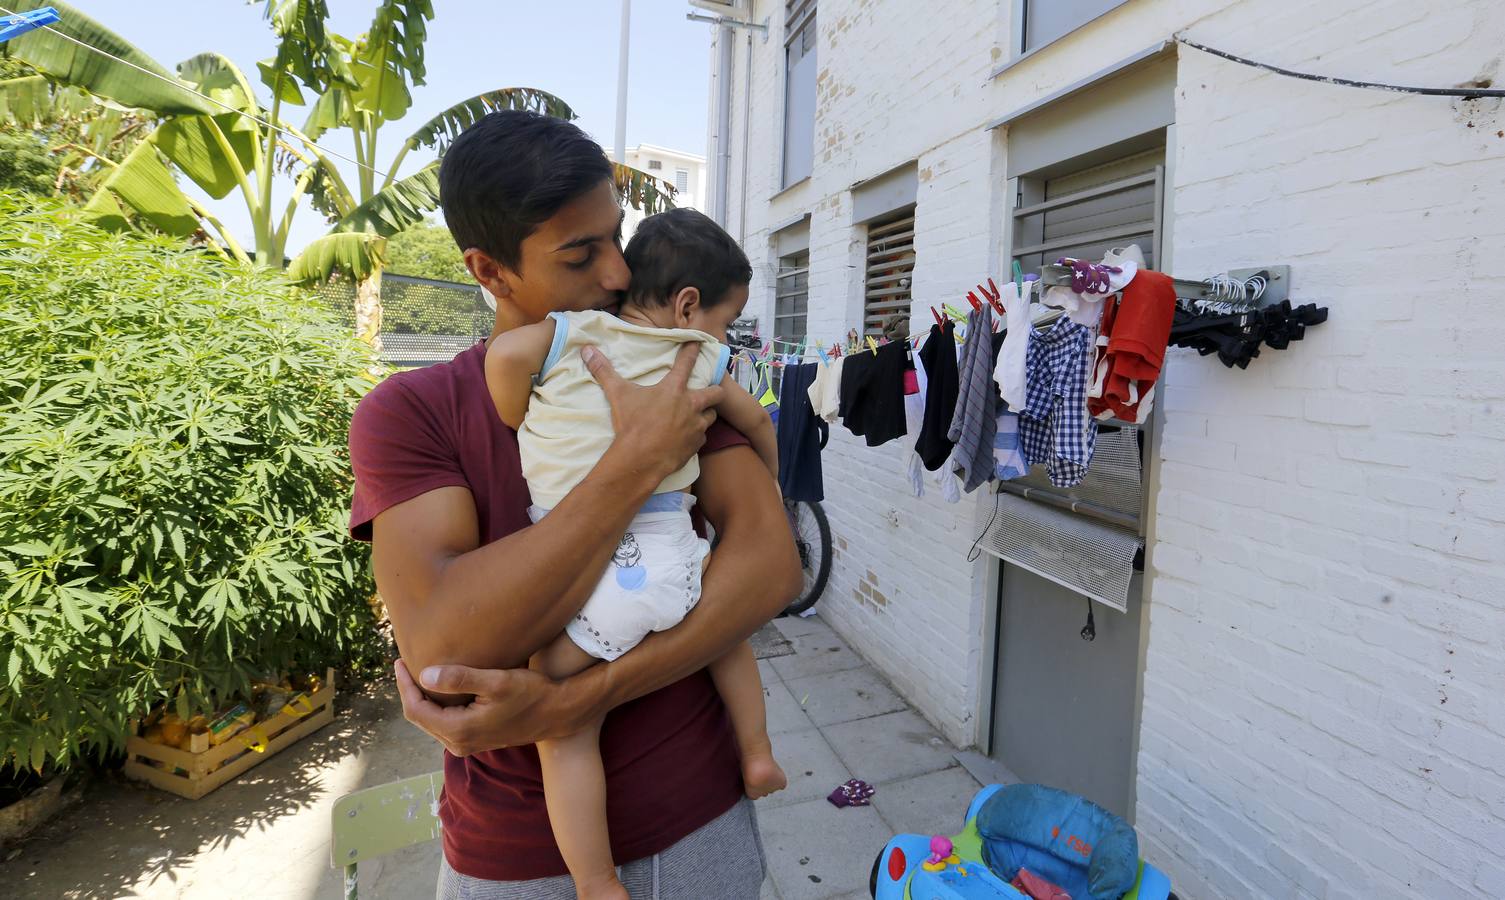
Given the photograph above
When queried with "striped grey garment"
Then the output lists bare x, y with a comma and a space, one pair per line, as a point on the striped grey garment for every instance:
723, 858
976, 419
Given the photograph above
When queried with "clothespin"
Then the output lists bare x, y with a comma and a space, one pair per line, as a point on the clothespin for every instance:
954, 313
938, 319
993, 294
820, 352
1018, 272
872, 344
20, 23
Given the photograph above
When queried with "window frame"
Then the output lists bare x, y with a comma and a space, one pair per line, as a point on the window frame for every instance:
791, 284
1018, 30
800, 23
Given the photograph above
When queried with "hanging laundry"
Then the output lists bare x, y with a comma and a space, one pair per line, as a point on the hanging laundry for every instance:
872, 393
975, 421
1054, 427
1131, 348
938, 358
1009, 371
914, 419
1087, 309
1236, 338
1008, 455
825, 391
801, 435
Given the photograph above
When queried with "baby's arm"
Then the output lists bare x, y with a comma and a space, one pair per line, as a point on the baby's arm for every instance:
512, 360
748, 416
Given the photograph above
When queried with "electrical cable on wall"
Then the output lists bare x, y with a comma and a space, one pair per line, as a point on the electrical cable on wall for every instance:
1465, 93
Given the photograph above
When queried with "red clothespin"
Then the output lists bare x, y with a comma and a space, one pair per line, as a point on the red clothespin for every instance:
938, 319
993, 294
972, 299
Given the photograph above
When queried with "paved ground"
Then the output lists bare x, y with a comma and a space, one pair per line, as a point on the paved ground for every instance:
266, 835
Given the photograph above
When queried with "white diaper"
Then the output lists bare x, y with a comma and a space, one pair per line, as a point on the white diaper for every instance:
651, 583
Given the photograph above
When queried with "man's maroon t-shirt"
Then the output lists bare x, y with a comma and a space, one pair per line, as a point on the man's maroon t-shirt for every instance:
671, 761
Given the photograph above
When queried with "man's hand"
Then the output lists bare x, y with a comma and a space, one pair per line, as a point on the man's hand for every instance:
663, 425
512, 707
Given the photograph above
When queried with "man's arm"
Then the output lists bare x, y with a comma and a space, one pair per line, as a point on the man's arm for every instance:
454, 601
753, 574
741, 411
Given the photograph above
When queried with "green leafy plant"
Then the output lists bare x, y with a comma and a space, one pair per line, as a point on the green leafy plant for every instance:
173, 482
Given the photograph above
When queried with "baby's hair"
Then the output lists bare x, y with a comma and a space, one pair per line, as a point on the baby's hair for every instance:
683, 248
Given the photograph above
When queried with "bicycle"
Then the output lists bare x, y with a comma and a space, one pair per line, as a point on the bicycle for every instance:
812, 538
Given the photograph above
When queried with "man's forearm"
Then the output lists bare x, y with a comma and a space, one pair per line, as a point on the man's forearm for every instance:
497, 605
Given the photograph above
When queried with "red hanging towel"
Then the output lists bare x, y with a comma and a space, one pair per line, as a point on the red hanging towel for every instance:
1131, 348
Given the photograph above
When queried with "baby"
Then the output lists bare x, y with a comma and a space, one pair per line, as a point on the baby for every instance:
689, 283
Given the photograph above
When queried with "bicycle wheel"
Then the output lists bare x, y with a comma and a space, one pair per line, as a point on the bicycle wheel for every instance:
812, 537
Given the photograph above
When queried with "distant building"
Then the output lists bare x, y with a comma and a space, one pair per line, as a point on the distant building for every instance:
684, 171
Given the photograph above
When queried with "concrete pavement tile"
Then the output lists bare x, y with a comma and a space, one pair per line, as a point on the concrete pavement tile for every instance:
890, 747
813, 769
794, 626
935, 803
817, 851
783, 711
768, 891
768, 673
816, 654
844, 696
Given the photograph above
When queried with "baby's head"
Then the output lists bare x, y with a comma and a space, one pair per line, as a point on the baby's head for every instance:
687, 272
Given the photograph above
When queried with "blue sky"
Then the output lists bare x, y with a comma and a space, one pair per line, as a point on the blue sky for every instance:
566, 47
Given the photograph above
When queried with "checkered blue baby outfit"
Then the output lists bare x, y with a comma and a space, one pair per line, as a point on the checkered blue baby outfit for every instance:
1054, 427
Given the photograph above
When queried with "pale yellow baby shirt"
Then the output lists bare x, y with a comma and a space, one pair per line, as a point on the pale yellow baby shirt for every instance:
567, 427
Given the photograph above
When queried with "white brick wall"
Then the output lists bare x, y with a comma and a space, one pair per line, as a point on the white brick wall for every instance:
1324, 688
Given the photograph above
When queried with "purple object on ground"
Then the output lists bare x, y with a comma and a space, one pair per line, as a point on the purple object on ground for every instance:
854, 793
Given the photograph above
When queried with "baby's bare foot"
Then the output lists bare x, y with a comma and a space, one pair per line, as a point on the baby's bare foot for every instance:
761, 775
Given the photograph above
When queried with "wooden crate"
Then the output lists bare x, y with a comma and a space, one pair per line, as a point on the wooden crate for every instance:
204, 771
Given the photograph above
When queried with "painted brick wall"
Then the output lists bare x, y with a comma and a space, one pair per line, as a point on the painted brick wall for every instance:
1324, 691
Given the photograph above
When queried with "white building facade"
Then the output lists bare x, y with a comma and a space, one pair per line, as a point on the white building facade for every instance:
1306, 695
685, 172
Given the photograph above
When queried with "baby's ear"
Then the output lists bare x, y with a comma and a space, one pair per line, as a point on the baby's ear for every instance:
686, 305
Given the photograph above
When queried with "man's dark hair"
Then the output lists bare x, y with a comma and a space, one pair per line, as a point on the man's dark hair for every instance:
509, 173
683, 248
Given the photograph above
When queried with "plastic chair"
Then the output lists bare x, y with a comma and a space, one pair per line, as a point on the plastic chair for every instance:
378, 820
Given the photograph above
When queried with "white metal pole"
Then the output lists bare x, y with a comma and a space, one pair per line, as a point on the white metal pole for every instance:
622, 83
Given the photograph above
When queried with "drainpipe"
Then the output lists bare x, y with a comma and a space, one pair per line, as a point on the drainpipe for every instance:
721, 143
746, 118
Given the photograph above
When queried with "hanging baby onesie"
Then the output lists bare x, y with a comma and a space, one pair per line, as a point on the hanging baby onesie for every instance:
1009, 372
938, 357
1054, 427
1131, 348
825, 391
976, 419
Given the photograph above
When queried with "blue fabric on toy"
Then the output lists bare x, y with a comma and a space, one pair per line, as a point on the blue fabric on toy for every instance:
1061, 837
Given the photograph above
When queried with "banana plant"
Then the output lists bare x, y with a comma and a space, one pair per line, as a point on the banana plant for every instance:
211, 128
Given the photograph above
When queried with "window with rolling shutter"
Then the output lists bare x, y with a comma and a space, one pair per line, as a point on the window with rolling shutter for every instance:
1084, 537
890, 269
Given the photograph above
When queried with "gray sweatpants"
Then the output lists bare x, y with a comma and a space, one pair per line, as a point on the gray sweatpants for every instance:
722, 859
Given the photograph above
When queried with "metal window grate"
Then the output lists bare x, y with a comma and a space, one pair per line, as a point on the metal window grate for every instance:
890, 270
791, 299
655, 165
1087, 213
1085, 556
682, 180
